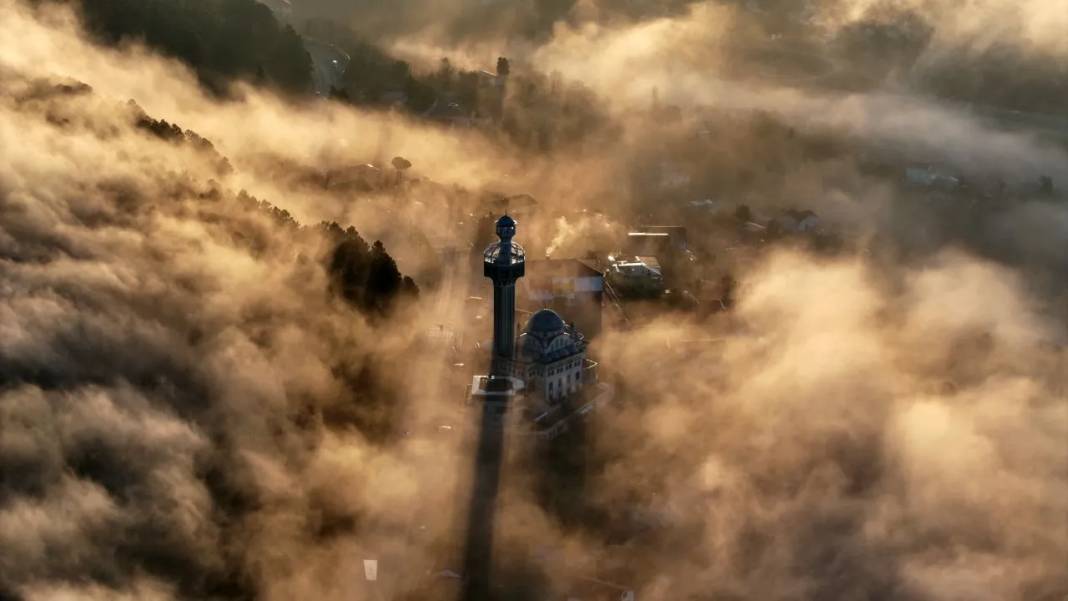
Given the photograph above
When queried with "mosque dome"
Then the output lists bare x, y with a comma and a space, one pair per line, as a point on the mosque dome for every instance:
547, 338
546, 321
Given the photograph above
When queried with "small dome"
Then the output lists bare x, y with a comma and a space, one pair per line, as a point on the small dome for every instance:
545, 321
547, 338
505, 227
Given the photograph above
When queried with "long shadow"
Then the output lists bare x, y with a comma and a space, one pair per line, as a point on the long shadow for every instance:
478, 546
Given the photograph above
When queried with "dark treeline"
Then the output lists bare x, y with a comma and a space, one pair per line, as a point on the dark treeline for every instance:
1002, 75
364, 275
227, 40
461, 20
132, 365
896, 43
221, 40
372, 77
530, 109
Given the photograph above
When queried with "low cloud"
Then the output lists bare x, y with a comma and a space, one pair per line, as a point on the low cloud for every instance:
190, 409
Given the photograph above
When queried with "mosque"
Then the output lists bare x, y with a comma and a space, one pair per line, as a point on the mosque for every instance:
541, 378
551, 357
546, 366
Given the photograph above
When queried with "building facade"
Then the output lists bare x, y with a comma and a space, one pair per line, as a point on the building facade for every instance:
551, 358
570, 287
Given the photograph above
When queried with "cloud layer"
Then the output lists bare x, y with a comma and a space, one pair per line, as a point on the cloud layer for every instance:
187, 410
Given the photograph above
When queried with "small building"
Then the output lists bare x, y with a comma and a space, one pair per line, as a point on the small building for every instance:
636, 276
669, 245
570, 287
656, 244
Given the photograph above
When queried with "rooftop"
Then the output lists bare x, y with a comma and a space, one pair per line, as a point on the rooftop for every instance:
546, 321
562, 268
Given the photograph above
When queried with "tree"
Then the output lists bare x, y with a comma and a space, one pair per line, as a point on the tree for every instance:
366, 276
221, 40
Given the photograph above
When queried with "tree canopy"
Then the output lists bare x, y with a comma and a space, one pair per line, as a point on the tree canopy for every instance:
221, 40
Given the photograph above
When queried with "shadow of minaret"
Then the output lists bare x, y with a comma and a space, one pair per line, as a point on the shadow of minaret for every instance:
503, 263
478, 546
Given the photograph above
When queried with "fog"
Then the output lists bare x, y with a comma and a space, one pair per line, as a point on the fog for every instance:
190, 409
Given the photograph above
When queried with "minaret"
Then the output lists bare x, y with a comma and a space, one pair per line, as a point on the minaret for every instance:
504, 263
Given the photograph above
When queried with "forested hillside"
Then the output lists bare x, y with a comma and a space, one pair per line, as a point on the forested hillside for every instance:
221, 40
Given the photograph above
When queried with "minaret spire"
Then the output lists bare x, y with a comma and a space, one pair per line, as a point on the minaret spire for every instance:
504, 263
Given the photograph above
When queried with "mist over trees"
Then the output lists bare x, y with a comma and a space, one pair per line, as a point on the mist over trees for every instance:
213, 387
1003, 75
221, 40
459, 20
885, 44
532, 110
110, 401
372, 77
898, 43
366, 275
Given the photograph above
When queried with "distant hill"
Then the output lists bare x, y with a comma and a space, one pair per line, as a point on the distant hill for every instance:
222, 40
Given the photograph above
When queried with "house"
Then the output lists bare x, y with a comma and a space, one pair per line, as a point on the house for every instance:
657, 244
635, 275
571, 287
